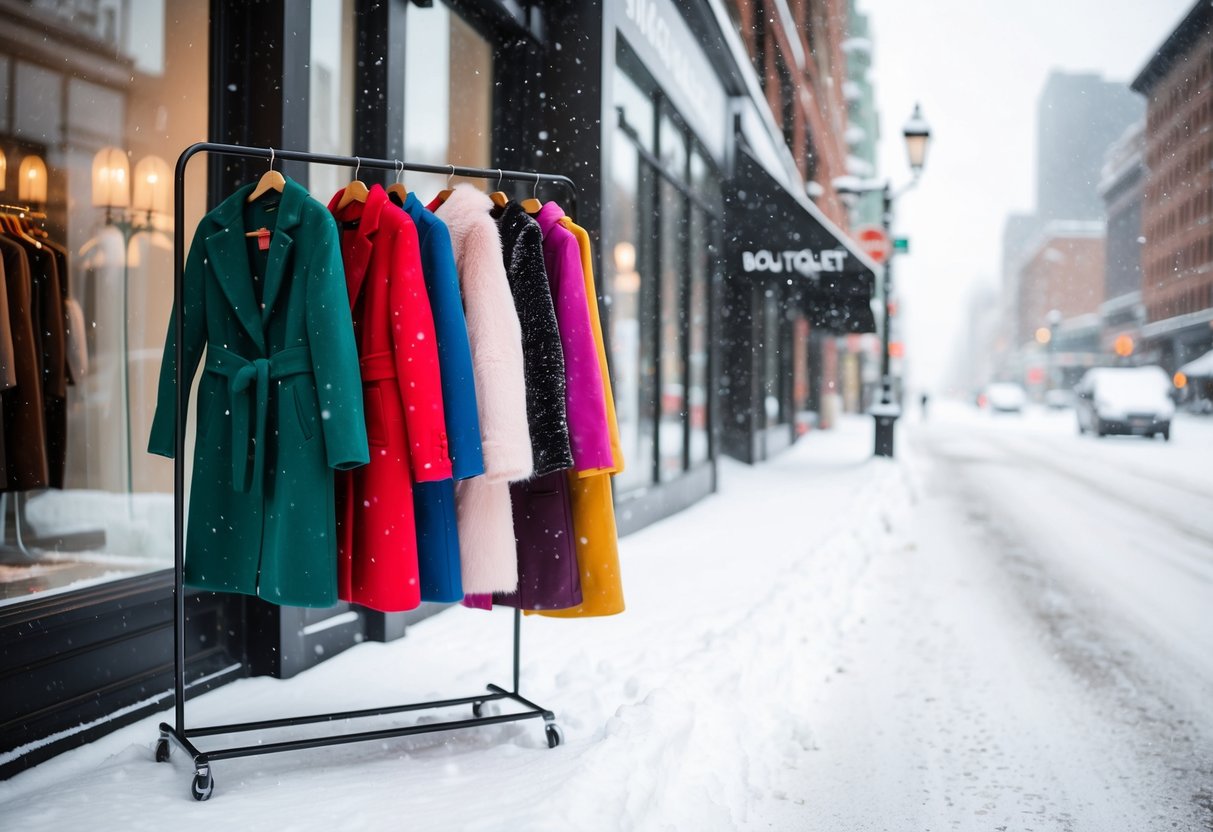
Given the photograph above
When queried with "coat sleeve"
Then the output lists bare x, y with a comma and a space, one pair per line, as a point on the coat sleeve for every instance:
591, 295
496, 341
584, 395
8, 359
454, 354
192, 307
330, 330
415, 352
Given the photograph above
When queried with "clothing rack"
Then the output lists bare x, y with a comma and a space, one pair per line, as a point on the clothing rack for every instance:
204, 782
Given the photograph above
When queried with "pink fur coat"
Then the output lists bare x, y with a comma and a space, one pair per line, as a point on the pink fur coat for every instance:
486, 529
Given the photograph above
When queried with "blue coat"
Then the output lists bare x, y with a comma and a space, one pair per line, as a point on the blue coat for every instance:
434, 502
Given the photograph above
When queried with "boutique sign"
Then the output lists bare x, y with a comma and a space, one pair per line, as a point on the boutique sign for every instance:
656, 31
805, 261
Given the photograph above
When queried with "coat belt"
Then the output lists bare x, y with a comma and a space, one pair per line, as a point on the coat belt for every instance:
377, 366
249, 384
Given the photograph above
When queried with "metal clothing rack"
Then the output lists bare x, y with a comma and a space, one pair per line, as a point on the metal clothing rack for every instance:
204, 782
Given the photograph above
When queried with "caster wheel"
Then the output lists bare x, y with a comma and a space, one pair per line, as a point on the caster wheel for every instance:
162, 750
203, 786
477, 709
554, 734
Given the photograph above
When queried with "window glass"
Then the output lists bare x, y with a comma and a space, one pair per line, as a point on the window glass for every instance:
637, 106
448, 104
97, 127
633, 366
330, 104
673, 324
772, 377
697, 370
673, 148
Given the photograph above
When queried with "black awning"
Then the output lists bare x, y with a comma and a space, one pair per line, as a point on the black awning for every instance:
768, 233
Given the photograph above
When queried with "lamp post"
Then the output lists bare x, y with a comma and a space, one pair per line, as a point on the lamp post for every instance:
1053, 319
917, 135
112, 191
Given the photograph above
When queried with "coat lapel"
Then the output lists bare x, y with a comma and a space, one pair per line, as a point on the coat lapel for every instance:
357, 253
229, 263
289, 211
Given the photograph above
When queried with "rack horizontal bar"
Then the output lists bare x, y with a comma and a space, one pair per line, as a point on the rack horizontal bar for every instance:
283, 722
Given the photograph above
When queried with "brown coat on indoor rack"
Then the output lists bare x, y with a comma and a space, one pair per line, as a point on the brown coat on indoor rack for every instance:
24, 433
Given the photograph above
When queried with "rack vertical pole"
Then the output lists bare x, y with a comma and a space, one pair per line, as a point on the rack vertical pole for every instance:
182, 393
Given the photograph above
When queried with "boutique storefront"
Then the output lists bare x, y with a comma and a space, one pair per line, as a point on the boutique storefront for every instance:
709, 314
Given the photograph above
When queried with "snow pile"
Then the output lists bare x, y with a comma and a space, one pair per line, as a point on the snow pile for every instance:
690, 711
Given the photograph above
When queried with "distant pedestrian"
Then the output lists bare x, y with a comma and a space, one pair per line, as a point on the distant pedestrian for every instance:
925, 399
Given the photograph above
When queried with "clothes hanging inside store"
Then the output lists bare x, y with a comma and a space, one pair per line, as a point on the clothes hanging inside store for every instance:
400, 403
41, 352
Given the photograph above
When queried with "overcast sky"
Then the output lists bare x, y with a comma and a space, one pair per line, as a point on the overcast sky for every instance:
978, 67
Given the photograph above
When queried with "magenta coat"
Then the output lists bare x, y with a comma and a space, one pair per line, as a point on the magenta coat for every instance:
586, 405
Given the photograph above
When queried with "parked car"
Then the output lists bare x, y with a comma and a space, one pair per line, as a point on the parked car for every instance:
1006, 397
1059, 399
1132, 400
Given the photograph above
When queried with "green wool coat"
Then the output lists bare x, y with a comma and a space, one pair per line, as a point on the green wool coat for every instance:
279, 402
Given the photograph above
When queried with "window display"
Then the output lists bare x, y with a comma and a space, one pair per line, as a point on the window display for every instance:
88, 140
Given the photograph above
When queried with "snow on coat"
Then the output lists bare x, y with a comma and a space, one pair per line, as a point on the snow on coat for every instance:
542, 354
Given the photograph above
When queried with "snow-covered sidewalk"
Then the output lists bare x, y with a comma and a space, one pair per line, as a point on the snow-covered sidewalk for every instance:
690, 711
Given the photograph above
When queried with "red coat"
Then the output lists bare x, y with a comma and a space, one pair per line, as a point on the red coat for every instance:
402, 392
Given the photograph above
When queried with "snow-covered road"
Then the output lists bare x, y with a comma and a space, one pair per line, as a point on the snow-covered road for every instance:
1007, 628
1040, 655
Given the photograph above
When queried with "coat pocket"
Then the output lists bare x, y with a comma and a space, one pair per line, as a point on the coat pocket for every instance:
376, 422
305, 424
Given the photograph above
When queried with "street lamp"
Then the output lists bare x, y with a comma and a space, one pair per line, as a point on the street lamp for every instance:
1053, 319
917, 135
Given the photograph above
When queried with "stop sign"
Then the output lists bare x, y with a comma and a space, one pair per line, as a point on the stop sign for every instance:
874, 242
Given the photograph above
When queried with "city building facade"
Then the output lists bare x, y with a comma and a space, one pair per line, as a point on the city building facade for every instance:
1177, 256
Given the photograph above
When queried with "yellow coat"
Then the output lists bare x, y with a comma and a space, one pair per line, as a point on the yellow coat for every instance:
590, 491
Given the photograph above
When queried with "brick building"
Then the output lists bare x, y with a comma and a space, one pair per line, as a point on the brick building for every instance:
1177, 257
1063, 271
797, 50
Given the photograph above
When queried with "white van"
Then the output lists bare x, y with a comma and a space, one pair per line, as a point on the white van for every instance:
1133, 400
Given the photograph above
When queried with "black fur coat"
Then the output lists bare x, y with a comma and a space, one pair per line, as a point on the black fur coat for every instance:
542, 355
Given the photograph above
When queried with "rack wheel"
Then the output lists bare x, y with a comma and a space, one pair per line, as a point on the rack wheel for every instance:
162, 750
203, 786
478, 709
554, 734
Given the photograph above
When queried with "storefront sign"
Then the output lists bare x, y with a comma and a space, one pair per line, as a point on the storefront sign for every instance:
658, 34
804, 261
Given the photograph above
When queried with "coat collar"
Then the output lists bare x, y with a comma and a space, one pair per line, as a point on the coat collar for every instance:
357, 253
226, 247
549, 215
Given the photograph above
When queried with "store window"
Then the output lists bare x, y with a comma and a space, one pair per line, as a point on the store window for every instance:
772, 360
331, 96
448, 95
664, 210
632, 299
90, 136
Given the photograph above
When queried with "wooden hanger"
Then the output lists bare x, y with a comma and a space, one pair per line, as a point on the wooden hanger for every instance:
498, 196
356, 191
446, 192
396, 191
271, 180
532, 205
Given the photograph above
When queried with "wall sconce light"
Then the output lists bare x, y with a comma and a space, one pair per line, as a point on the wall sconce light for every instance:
111, 179
31, 180
3, 171
152, 179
